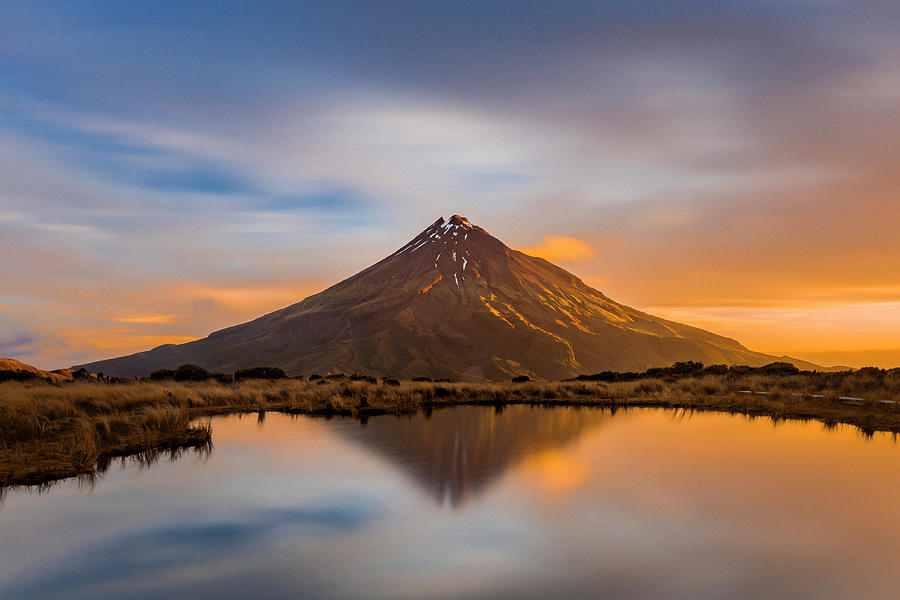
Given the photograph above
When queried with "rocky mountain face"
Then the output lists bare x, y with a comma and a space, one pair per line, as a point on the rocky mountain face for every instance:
454, 302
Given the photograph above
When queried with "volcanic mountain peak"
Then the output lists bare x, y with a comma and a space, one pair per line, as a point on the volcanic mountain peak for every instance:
453, 302
446, 249
442, 230
458, 221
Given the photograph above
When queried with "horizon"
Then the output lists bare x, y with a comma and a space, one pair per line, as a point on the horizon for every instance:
167, 171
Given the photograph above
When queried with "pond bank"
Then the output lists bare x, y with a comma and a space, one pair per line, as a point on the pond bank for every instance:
52, 431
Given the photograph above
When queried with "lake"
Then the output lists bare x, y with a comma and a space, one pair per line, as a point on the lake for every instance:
475, 502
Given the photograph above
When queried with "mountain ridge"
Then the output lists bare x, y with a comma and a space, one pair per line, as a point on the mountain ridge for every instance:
453, 302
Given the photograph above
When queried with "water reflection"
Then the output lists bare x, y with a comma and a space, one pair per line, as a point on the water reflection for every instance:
474, 504
456, 453
139, 460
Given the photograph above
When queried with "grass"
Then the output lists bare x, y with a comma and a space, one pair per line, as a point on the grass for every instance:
50, 431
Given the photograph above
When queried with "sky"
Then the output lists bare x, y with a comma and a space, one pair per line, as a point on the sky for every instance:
168, 169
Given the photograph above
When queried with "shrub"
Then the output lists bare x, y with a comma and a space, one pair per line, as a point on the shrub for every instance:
162, 374
686, 367
521, 379
191, 373
870, 371
779, 368
260, 373
390, 381
222, 377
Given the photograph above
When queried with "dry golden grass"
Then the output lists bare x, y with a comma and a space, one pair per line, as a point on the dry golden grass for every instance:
49, 431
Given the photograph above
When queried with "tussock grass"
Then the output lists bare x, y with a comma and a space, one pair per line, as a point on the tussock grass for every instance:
54, 430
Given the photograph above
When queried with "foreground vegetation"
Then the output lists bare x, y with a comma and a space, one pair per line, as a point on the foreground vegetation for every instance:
51, 430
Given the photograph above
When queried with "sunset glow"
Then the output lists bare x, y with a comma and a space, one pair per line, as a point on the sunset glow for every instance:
169, 171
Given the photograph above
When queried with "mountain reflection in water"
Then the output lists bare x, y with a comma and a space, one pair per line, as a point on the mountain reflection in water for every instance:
472, 504
456, 453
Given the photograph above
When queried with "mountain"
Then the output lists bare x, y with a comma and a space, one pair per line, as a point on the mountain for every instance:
454, 302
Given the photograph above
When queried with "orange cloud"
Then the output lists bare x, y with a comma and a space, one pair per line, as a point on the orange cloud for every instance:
118, 339
93, 322
561, 248
248, 301
148, 319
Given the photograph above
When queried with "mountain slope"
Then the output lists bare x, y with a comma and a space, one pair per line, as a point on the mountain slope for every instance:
453, 302
14, 370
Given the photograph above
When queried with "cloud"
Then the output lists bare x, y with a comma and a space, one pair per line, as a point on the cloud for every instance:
148, 319
561, 248
740, 153
15, 342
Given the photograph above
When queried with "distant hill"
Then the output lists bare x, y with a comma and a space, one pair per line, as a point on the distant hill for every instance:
453, 302
14, 370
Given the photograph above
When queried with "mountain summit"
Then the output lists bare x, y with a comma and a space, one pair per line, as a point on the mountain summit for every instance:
454, 302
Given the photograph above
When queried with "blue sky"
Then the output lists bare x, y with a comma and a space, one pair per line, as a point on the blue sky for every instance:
733, 164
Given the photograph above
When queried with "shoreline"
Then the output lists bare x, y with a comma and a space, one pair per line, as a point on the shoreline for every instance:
53, 431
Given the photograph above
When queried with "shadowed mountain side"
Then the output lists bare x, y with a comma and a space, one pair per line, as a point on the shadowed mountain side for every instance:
453, 302
456, 453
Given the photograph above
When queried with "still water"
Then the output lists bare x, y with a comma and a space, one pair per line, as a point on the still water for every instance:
473, 503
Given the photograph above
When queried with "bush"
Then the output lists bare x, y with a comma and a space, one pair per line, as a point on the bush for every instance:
191, 373
521, 379
779, 368
162, 374
390, 381
870, 372
260, 373
366, 378
687, 367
